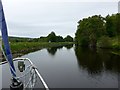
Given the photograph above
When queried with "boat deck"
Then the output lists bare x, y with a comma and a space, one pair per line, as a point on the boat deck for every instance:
29, 78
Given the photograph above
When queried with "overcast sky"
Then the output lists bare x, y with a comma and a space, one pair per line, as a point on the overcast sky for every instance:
35, 18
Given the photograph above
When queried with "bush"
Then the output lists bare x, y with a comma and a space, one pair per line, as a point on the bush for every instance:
104, 42
116, 43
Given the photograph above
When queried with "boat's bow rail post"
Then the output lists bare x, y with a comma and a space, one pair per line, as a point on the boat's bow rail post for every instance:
36, 70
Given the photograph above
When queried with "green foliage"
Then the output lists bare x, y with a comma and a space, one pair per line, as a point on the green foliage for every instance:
52, 37
98, 31
19, 39
43, 39
84, 41
116, 42
118, 23
59, 39
89, 30
111, 25
104, 42
68, 38
25, 47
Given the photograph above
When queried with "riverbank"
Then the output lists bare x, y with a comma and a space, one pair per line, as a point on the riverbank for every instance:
109, 43
21, 48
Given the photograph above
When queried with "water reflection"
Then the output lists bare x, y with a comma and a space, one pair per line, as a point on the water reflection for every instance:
69, 46
96, 61
53, 50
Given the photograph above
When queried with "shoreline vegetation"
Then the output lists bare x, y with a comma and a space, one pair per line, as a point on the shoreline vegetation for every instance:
20, 48
99, 32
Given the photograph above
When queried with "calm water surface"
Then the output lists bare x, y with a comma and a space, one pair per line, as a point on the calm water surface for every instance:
74, 67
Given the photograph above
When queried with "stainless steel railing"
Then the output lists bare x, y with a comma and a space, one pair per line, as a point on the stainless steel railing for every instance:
36, 70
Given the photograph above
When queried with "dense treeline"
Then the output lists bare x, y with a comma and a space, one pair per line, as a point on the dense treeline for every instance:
99, 31
52, 37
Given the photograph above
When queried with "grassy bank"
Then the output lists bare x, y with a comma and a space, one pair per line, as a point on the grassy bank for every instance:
112, 43
20, 48
116, 52
109, 43
115, 43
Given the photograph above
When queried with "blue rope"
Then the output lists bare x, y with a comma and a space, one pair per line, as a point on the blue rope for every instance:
4, 32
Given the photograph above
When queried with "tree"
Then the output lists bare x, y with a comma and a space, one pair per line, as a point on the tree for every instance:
59, 39
111, 27
43, 39
118, 23
68, 38
89, 30
52, 37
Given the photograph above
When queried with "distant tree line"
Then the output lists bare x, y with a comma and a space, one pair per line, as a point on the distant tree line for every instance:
52, 37
19, 39
97, 30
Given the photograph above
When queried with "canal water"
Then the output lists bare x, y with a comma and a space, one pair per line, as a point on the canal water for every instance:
73, 67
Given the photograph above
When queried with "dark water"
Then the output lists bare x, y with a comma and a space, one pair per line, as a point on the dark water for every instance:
74, 67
